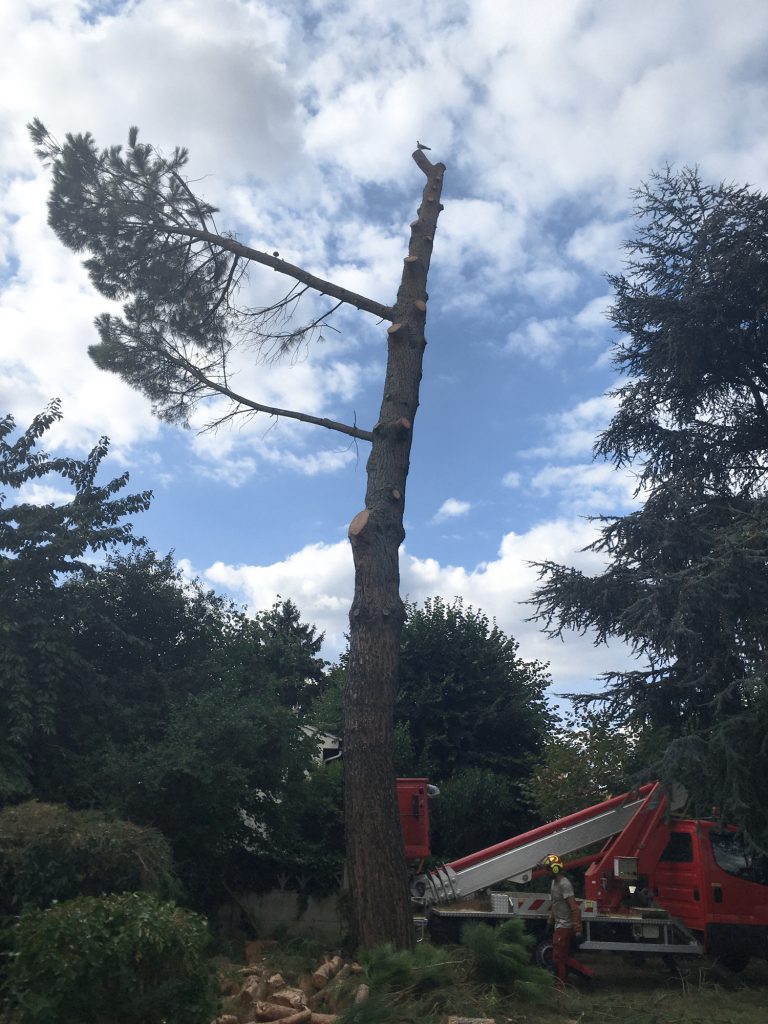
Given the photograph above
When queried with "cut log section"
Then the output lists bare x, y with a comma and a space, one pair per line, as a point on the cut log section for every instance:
323, 974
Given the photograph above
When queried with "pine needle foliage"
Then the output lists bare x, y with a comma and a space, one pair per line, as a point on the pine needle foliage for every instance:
397, 970
476, 978
377, 1009
407, 985
502, 957
152, 243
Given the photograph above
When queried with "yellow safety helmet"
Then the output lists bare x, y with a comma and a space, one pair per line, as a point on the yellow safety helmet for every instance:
553, 862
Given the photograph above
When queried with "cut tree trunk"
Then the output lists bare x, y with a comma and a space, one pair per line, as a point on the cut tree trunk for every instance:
380, 902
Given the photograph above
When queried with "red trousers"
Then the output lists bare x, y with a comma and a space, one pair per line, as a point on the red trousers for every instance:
561, 955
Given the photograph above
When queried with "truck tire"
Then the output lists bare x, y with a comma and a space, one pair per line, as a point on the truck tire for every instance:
734, 960
542, 954
734, 946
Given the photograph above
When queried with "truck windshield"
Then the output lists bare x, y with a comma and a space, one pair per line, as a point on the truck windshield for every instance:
732, 856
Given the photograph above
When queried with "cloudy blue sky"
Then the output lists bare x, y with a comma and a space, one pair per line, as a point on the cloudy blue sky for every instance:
300, 118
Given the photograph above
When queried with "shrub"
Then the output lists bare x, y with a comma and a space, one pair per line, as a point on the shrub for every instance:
502, 957
392, 970
483, 978
48, 852
406, 986
128, 959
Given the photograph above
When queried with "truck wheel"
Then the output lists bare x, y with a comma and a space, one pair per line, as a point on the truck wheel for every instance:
542, 954
734, 959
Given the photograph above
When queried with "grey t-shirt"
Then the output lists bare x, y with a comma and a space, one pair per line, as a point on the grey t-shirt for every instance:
561, 892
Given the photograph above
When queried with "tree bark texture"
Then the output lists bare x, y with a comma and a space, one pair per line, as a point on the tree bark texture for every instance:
376, 863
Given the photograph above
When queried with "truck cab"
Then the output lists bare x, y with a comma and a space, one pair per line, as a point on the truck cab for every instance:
706, 877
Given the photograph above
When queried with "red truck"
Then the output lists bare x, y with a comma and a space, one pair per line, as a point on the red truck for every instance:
655, 882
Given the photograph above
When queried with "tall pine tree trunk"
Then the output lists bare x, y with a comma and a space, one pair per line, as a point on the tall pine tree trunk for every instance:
375, 852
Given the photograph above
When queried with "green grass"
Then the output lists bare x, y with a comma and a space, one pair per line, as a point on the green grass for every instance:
627, 992
648, 993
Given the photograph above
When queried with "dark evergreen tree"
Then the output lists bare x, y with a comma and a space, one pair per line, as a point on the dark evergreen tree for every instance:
686, 584
290, 649
153, 244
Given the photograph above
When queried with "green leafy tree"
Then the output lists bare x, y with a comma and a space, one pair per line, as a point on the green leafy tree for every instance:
146, 639
476, 808
181, 714
584, 761
40, 546
685, 585
153, 244
472, 717
466, 699
307, 843
138, 639
215, 782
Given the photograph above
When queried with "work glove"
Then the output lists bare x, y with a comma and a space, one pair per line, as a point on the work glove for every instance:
578, 938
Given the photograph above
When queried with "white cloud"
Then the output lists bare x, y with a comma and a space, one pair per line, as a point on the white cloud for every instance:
550, 283
598, 245
593, 99
586, 488
452, 508
572, 433
319, 579
566, 479
46, 313
35, 493
593, 318
542, 340
545, 340
231, 471
314, 463
190, 72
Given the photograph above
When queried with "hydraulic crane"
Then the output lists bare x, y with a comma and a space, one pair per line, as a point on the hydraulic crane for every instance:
659, 883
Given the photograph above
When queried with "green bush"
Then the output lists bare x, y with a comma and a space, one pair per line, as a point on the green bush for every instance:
484, 978
406, 986
128, 959
392, 970
502, 957
48, 852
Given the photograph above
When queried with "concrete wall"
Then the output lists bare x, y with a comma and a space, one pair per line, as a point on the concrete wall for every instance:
290, 911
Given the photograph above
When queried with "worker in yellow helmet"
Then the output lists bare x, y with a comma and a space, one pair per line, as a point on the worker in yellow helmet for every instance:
565, 919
